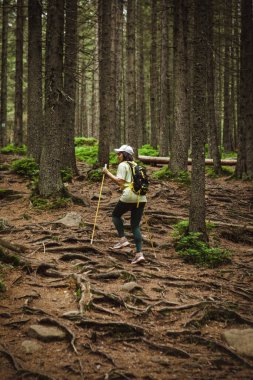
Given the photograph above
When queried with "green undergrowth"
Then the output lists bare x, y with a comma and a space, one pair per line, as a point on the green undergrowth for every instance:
41, 203
226, 171
192, 249
89, 141
26, 167
166, 174
148, 150
12, 149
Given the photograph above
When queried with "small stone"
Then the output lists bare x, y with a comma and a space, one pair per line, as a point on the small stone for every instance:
239, 340
30, 346
46, 333
131, 286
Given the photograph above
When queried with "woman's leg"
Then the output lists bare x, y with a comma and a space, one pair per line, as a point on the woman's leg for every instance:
136, 215
120, 209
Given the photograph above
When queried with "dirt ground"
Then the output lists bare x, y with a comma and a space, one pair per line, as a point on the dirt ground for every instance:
160, 320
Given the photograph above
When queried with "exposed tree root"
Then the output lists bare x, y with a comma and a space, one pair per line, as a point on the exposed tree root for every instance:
217, 345
98, 352
117, 327
168, 350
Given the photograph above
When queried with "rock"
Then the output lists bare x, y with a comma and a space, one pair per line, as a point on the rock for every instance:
71, 314
30, 346
71, 219
239, 340
131, 286
96, 197
46, 333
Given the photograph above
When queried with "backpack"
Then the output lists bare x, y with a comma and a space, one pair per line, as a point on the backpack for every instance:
140, 178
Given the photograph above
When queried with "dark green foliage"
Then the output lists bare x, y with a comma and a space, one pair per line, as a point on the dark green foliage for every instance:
166, 174
66, 175
148, 150
95, 175
88, 154
26, 167
194, 250
89, 141
11, 149
49, 204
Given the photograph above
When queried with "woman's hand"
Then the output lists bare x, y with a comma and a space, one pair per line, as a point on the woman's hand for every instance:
105, 170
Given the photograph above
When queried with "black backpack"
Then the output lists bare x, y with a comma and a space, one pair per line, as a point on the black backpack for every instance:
140, 178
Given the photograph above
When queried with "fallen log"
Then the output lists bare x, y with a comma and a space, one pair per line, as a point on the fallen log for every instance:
165, 160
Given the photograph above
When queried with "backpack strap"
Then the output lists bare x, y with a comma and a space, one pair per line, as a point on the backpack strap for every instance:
132, 165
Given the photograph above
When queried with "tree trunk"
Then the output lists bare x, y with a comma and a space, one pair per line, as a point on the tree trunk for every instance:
131, 78
4, 64
212, 123
104, 79
153, 77
35, 108
141, 106
50, 182
180, 134
18, 118
244, 168
69, 100
164, 107
197, 201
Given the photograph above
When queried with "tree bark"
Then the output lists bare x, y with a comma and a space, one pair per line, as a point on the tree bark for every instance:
18, 118
197, 201
34, 107
69, 99
50, 182
164, 107
180, 134
4, 65
153, 77
244, 168
131, 78
104, 11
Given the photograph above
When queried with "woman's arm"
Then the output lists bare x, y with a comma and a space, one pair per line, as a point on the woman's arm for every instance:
115, 179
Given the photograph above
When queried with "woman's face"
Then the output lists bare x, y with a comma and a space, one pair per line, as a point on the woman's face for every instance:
120, 156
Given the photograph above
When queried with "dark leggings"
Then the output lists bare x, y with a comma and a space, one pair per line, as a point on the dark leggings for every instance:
136, 215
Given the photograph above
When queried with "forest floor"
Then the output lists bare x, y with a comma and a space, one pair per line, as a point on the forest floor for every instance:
103, 318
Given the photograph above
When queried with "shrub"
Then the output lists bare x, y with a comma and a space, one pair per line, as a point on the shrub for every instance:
89, 154
26, 167
194, 250
166, 174
49, 204
148, 150
89, 141
95, 175
66, 175
11, 149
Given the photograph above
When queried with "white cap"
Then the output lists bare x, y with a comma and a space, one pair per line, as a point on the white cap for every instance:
125, 148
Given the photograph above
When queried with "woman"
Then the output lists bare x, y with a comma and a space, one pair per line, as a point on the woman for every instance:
129, 201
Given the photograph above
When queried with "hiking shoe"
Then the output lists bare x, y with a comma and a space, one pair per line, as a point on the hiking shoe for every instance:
138, 258
123, 242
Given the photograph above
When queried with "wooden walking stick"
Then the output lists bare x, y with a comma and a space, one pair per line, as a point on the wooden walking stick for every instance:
99, 198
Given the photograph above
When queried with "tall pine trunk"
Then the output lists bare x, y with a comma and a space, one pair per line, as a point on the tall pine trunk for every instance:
70, 78
197, 201
50, 182
34, 108
18, 118
4, 65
